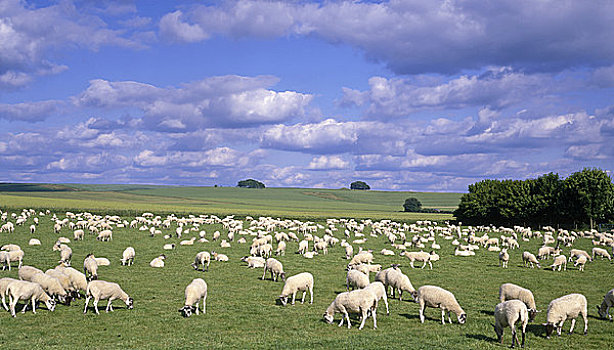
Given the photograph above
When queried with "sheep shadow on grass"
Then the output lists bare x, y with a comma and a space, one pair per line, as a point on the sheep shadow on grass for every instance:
537, 330
481, 337
487, 312
417, 316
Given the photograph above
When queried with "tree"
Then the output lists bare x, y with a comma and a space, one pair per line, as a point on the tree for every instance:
588, 196
413, 205
250, 183
359, 185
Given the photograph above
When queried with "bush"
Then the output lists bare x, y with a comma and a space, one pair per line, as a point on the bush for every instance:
413, 205
359, 185
250, 183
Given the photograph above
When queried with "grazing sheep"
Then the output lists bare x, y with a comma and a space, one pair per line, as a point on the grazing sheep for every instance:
7, 257
34, 241
510, 291
360, 301
504, 258
10, 247
546, 251
507, 314
559, 261
577, 253
349, 251
105, 236
219, 257
379, 290
529, 258
303, 247
356, 279
64, 281
128, 256
26, 272
437, 297
281, 248
364, 257
366, 268
603, 309
254, 261
62, 240
52, 286
419, 256
101, 290
32, 229
158, 262
580, 262
399, 281
276, 268
24, 290
193, 293
297, 283
4, 283
65, 254
78, 235
169, 246
90, 267
77, 278
602, 253
103, 261
563, 308
321, 246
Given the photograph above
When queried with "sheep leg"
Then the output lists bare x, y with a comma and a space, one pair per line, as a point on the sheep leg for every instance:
4, 303
585, 318
364, 318
374, 312
422, 307
87, 301
33, 305
311, 295
303, 298
204, 305
430, 265
197, 308
400, 294
449, 319
386, 303
411, 263
443, 316
25, 308
13, 302
424, 265
96, 306
293, 297
264, 274
573, 323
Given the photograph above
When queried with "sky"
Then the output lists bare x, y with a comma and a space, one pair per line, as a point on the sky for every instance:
419, 95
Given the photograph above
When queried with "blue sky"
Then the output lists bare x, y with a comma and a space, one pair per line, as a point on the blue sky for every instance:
405, 95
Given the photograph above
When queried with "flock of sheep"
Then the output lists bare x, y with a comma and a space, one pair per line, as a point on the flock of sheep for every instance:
517, 304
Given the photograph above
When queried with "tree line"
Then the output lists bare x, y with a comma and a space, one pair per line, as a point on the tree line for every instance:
583, 199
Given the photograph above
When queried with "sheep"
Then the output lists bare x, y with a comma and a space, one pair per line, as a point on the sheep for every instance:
26, 272
364, 257
188, 241
7, 257
360, 301
52, 286
581, 262
103, 261
504, 258
195, 291
10, 247
32, 229
281, 248
529, 258
105, 236
90, 267
128, 256
546, 251
4, 283
604, 308
34, 241
101, 290
510, 291
309, 255
276, 268
559, 261
78, 235
169, 246
322, 245
64, 280
303, 247
563, 308
297, 283
77, 278
349, 251
65, 254
254, 261
366, 268
602, 253
460, 252
433, 296
399, 281
158, 262
219, 257
356, 279
25, 290
387, 252
578, 253
379, 290
507, 314
62, 240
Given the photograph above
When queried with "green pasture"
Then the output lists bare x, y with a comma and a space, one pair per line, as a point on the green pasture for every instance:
242, 312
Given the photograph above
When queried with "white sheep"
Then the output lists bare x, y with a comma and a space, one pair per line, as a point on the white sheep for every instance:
559, 261
26, 272
219, 257
387, 252
34, 241
4, 283
577, 253
77, 278
510, 291
90, 267
78, 235
7, 257
379, 290
529, 258
606, 304
359, 301
128, 256
10, 247
52, 286
504, 258
101, 290
105, 236
356, 279
281, 248
366, 268
158, 262
602, 253
169, 246
102, 261
460, 252
580, 262
195, 291
303, 247
64, 280
254, 261
310, 255
364, 257
349, 251
276, 268
507, 314
399, 281
297, 283
437, 297
563, 308
24, 290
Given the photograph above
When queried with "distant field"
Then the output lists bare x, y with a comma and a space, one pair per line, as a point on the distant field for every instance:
283, 202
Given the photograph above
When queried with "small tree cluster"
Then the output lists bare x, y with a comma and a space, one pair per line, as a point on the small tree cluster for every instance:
250, 183
359, 185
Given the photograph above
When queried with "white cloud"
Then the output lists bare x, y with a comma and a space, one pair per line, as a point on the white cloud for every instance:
29, 111
172, 28
328, 136
328, 163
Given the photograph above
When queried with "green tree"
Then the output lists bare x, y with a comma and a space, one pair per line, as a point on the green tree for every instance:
359, 185
588, 196
250, 183
413, 205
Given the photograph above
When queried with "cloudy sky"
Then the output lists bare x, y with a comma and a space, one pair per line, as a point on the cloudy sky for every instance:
421, 95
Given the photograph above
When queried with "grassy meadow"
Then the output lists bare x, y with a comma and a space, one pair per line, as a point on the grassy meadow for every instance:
242, 311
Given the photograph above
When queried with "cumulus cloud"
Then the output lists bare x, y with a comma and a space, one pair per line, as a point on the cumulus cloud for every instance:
172, 28
29, 111
328, 163
328, 136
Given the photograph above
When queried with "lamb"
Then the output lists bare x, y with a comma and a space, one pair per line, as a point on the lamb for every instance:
276, 268
65, 254
602, 253
105, 236
4, 283
399, 281
297, 283
10, 247
433, 296
25, 290
510, 291
504, 258
158, 262
101, 290
254, 261
193, 293
603, 309
528, 257
460, 252
356, 279
507, 314
128, 256
189, 241
546, 251
219, 257
360, 301
559, 261
563, 308
309, 255
379, 290
90, 267
581, 262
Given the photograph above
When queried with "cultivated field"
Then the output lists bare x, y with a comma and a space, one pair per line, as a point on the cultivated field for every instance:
242, 311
